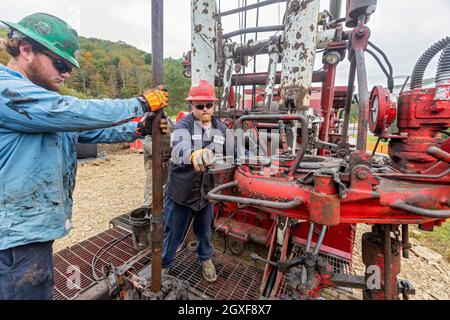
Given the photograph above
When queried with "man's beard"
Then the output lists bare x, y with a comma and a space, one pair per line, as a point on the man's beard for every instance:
205, 117
39, 78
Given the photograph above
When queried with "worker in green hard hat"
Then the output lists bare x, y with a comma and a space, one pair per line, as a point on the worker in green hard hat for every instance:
48, 36
39, 130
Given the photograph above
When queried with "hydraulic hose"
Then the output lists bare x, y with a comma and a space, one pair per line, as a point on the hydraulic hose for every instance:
443, 69
424, 60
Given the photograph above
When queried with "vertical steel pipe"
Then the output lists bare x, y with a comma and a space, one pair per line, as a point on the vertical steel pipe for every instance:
271, 76
157, 164
363, 91
348, 101
327, 101
387, 261
299, 52
320, 240
227, 76
336, 8
405, 241
309, 238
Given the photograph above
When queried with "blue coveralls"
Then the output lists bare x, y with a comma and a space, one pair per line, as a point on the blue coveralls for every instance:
186, 190
39, 130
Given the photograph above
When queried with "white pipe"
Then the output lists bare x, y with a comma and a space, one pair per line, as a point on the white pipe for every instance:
203, 33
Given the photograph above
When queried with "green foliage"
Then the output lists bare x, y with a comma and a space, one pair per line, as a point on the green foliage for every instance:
438, 240
4, 57
118, 70
3, 32
148, 58
65, 91
354, 111
178, 86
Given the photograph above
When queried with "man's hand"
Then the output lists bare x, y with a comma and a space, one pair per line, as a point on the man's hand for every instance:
202, 159
144, 127
156, 99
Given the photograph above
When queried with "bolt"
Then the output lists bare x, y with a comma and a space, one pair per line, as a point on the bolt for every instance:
295, 6
342, 153
362, 174
361, 32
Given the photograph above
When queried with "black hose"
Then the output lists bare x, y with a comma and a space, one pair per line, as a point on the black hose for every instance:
100, 252
390, 77
424, 60
391, 70
390, 80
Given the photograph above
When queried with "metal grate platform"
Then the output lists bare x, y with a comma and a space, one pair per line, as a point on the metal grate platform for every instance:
122, 221
236, 279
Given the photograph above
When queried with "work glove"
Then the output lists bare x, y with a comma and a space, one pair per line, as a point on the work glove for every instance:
155, 99
202, 159
144, 127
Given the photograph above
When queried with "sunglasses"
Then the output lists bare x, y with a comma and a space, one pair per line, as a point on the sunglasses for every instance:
202, 106
59, 65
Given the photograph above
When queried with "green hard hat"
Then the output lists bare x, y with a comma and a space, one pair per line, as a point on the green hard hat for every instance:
51, 32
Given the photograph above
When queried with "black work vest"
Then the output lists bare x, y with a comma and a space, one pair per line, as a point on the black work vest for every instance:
184, 185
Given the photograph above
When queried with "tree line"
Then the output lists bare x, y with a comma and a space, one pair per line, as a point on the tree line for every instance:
118, 70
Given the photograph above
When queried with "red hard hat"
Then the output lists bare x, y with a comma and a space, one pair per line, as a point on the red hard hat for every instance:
202, 91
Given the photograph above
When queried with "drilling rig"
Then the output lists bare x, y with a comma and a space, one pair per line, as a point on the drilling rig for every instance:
297, 185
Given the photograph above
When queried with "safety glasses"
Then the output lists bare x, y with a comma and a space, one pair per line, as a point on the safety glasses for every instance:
59, 65
202, 106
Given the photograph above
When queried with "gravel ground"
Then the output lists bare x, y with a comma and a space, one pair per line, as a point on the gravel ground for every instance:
104, 190
109, 188
427, 271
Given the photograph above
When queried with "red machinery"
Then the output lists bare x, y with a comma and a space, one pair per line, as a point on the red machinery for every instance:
296, 184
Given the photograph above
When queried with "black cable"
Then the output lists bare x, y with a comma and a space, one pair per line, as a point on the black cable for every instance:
391, 70
447, 133
97, 255
390, 79
376, 146
388, 75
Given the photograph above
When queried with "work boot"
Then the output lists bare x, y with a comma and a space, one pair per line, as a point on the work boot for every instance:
209, 271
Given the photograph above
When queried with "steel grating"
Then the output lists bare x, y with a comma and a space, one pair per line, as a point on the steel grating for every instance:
122, 221
236, 279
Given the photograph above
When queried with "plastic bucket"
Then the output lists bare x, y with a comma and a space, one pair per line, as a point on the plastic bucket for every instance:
140, 228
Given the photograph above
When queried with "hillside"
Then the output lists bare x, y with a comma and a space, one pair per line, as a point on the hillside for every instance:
118, 70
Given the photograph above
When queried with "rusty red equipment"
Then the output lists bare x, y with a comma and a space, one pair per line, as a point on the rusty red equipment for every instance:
329, 183
298, 185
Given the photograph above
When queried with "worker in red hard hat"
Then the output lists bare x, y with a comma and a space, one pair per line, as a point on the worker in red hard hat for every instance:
196, 139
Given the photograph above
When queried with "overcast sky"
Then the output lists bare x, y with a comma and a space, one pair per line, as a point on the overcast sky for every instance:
402, 28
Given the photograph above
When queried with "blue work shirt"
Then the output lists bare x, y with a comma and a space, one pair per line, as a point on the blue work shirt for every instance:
185, 186
39, 130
